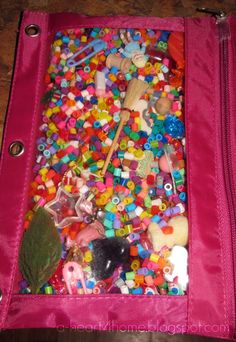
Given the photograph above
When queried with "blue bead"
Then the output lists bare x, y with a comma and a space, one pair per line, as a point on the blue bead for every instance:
113, 50
58, 35
65, 39
138, 290
174, 127
77, 42
182, 196
147, 146
94, 100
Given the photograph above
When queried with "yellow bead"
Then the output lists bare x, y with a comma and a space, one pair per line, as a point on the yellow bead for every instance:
68, 188
73, 131
131, 149
55, 109
135, 265
52, 190
138, 153
178, 113
120, 232
52, 127
154, 257
43, 171
128, 200
144, 214
128, 229
83, 39
130, 185
100, 163
88, 257
161, 117
48, 112
162, 207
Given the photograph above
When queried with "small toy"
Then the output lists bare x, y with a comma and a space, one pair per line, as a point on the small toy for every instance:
163, 105
179, 235
123, 64
179, 261
97, 45
72, 273
93, 231
133, 50
107, 255
62, 208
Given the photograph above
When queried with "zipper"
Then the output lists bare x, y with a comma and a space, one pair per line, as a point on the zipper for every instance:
227, 153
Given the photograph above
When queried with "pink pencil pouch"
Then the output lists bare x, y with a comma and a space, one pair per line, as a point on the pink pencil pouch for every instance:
208, 306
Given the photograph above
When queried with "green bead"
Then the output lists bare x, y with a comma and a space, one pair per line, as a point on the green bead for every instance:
79, 124
111, 134
72, 156
137, 189
111, 168
48, 290
129, 275
110, 233
117, 172
147, 202
127, 130
108, 224
109, 206
155, 151
121, 154
134, 136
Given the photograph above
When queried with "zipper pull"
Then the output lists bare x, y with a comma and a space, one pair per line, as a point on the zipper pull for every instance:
221, 21
217, 13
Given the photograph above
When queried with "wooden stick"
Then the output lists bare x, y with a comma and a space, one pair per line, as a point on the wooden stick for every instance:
124, 114
135, 90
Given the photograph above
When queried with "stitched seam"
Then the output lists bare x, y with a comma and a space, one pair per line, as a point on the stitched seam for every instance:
188, 165
25, 186
216, 188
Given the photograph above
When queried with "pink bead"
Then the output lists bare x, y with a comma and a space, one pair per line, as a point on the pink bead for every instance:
61, 124
100, 186
109, 182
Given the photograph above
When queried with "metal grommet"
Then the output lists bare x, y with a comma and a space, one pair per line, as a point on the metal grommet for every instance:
16, 149
0, 295
32, 30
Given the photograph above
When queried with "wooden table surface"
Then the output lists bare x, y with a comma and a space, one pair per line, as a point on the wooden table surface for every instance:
9, 19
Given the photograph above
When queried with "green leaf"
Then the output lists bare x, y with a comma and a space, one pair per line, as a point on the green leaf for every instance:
40, 250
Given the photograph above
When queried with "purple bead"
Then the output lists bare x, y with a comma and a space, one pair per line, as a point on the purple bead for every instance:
23, 284
43, 161
160, 192
64, 168
90, 183
116, 224
36, 168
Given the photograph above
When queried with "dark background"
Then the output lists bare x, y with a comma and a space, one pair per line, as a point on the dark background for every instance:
9, 19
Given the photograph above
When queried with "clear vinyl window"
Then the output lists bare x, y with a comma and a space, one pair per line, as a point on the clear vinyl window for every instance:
107, 204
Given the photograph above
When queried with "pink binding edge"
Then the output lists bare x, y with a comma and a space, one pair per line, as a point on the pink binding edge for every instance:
18, 315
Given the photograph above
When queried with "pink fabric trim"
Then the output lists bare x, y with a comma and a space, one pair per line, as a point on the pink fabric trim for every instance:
103, 312
210, 263
15, 172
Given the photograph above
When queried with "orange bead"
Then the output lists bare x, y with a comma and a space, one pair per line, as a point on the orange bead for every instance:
161, 262
139, 279
133, 251
158, 280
